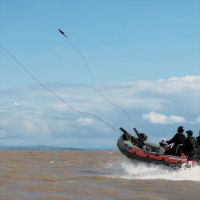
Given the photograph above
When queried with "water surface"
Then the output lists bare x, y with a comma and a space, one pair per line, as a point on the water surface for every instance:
90, 175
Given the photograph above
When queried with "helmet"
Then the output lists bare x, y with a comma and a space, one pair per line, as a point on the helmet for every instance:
180, 129
189, 132
143, 137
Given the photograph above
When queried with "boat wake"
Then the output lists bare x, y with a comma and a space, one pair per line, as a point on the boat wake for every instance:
142, 171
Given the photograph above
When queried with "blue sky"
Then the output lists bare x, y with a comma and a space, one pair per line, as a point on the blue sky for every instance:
132, 47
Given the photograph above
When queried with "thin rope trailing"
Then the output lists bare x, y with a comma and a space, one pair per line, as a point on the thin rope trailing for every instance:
93, 82
54, 93
92, 78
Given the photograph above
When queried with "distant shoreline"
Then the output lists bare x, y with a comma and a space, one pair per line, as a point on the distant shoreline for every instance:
51, 148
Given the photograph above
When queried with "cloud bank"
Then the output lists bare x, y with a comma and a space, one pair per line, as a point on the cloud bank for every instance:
32, 116
158, 118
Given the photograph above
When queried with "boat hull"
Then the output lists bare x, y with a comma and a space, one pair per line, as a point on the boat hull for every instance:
135, 153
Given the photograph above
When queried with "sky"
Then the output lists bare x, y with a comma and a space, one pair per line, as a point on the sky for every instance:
129, 63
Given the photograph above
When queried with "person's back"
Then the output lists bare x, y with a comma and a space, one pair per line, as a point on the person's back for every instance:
189, 147
178, 139
198, 146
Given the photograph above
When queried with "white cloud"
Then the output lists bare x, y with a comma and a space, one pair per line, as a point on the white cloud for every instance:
16, 104
197, 119
185, 78
159, 118
32, 113
2, 134
85, 121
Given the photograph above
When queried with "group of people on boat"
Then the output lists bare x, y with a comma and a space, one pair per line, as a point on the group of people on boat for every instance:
182, 145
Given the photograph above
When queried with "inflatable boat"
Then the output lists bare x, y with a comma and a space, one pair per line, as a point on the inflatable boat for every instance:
142, 151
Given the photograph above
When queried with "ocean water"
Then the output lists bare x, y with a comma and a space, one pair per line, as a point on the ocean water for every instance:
90, 175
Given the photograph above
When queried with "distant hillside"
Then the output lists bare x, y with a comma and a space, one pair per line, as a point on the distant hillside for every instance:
38, 147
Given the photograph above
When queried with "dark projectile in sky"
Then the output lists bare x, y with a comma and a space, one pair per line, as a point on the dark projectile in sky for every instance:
62, 32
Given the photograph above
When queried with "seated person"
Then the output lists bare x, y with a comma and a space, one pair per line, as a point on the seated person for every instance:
163, 147
198, 146
179, 138
189, 148
141, 139
198, 140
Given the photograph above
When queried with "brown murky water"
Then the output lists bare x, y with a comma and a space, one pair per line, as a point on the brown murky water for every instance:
89, 175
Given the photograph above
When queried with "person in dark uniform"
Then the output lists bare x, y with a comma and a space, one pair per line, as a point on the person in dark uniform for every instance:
189, 148
178, 139
198, 146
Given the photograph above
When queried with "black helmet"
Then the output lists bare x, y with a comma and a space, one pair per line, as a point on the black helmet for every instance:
189, 132
143, 137
180, 129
